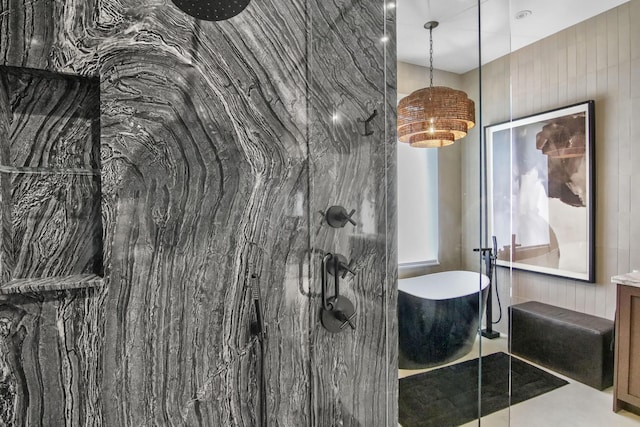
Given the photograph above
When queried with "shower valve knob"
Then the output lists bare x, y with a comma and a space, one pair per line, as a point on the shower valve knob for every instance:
346, 268
343, 266
341, 315
337, 216
347, 320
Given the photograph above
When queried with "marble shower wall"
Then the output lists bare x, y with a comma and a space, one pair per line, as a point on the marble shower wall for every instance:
49, 345
353, 165
217, 150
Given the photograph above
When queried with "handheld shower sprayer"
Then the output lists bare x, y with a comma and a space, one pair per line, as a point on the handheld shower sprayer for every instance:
258, 327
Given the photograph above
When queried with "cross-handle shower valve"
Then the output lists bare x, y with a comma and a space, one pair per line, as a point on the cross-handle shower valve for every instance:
337, 311
340, 265
337, 216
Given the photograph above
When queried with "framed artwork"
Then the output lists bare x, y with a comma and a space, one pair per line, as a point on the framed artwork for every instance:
540, 191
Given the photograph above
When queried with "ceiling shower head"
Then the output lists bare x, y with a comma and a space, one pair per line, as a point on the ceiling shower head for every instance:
212, 10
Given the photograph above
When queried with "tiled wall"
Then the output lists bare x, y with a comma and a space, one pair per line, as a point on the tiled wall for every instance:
220, 143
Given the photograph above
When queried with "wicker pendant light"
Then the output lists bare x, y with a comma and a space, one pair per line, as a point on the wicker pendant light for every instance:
434, 116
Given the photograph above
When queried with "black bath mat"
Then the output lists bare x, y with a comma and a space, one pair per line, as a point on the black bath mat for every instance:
448, 397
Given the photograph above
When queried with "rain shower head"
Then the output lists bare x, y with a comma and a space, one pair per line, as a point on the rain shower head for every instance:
212, 10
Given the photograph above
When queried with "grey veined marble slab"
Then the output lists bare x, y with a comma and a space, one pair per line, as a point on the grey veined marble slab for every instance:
217, 150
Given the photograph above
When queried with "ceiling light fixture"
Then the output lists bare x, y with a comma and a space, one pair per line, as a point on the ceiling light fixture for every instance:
522, 14
434, 116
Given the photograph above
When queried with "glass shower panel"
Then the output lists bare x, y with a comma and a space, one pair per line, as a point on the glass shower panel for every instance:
495, 92
440, 345
351, 134
570, 164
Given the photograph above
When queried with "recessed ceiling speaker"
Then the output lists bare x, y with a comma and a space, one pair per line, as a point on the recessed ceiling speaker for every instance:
212, 10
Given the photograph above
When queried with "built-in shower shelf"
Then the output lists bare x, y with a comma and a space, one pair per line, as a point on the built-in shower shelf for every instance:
23, 286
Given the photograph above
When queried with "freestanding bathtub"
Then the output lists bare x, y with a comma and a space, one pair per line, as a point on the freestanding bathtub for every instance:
438, 317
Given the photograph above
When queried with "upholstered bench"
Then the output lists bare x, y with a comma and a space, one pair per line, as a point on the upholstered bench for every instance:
574, 344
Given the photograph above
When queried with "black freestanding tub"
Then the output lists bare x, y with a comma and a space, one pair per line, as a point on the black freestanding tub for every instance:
438, 317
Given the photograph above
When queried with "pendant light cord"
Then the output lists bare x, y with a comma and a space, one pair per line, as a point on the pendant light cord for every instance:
430, 57
430, 26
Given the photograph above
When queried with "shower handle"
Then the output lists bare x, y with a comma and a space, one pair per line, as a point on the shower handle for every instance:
326, 305
337, 311
340, 266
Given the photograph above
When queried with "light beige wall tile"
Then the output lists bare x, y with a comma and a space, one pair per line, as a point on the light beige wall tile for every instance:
581, 295
624, 38
634, 223
601, 41
624, 198
634, 37
635, 77
611, 38
611, 298
634, 129
624, 119
624, 263
590, 300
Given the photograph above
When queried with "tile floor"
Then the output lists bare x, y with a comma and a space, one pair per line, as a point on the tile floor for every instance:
573, 405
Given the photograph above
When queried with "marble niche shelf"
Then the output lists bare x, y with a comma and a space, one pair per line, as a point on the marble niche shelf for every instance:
50, 187
78, 281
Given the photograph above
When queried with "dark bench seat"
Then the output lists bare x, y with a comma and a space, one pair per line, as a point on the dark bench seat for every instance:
574, 344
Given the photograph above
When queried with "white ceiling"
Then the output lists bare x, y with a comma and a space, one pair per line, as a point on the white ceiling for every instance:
455, 41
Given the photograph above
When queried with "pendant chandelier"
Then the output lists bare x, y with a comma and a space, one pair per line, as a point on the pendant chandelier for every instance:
434, 116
